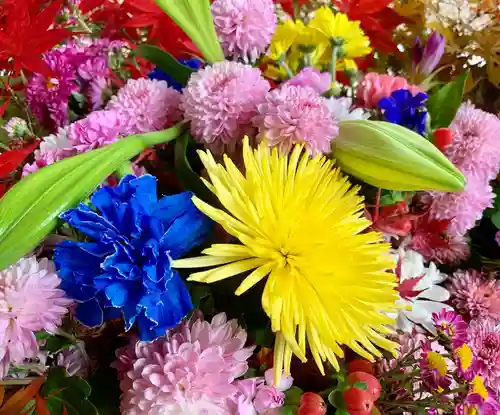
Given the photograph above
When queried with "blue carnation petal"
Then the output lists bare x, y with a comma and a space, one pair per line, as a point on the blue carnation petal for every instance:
117, 293
90, 313
169, 208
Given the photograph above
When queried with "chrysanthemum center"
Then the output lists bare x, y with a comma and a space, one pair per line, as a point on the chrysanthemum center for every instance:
437, 363
52, 83
464, 353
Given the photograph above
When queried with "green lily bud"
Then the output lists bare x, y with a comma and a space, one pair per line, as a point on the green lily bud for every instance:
30, 210
392, 157
194, 17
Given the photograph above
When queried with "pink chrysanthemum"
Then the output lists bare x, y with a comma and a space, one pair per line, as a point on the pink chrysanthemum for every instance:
374, 87
149, 105
220, 101
293, 115
245, 27
98, 129
435, 372
475, 295
29, 301
484, 340
451, 325
475, 150
313, 78
188, 371
463, 209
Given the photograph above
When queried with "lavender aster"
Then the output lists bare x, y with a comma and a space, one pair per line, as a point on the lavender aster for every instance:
125, 268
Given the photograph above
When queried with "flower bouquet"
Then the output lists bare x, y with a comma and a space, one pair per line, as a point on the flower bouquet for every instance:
240, 207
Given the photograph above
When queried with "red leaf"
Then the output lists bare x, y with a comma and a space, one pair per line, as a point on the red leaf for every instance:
11, 160
4, 107
88, 5
41, 406
407, 287
362, 6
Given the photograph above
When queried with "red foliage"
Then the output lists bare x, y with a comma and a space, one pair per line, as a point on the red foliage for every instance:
377, 20
25, 33
11, 160
288, 5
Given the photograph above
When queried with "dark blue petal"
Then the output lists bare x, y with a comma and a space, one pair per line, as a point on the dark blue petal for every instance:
170, 208
117, 293
90, 313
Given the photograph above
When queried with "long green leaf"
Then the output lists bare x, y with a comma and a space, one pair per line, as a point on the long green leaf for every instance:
30, 210
166, 62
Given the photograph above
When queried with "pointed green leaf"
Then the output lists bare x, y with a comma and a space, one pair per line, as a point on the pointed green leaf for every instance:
444, 103
30, 210
360, 385
166, 62
495, 219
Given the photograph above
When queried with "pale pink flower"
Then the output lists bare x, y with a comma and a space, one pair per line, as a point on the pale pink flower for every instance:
484, 340
312, 78
374, 87
475, 295
286, 381
148, 104
268, 397
244, 27
220, 101
294, 115
30, 301
191, 370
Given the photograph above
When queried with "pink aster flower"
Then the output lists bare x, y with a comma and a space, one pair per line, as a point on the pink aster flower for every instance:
312, 78
374, 87
435, 372
484, 340
293, 115
149, 105
220, 101
475, 150
479, 401
245, 27
463, 209
98, 129
475, 295
451, 325
268, 397
29, 301
188, 371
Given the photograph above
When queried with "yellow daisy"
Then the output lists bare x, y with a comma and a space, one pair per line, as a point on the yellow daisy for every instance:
301, 226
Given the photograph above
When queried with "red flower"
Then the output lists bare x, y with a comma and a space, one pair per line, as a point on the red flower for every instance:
377, 20
288, 5
26, 34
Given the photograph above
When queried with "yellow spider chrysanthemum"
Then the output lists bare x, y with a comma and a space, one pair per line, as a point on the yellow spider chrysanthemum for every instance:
337, 28
301, 224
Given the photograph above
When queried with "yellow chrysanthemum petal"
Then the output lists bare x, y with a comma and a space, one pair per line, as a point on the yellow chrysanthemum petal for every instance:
301, 226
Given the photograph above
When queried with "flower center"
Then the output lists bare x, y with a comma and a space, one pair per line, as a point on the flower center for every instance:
464, 354
479, 388
437, 363
52, 83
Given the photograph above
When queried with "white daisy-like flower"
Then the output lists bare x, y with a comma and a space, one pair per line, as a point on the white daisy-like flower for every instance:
341, 110
419, 291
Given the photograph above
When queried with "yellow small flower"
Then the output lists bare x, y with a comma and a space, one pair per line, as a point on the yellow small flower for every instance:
479, 388
283, 39
336, 28
437, 363
465, 358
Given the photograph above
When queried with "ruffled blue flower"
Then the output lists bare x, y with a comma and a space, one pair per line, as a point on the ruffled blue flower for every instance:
405, 109
158, 74
125, 268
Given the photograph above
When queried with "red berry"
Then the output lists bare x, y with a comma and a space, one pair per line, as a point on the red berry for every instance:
443, 137
374, 387
360, 366
311, 404
358, 400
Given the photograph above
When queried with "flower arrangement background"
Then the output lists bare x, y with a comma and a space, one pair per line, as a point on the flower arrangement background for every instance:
240, 207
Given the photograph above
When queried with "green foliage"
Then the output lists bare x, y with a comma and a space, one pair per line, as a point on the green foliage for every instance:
391, 197
166, 62
444, 103
54, 343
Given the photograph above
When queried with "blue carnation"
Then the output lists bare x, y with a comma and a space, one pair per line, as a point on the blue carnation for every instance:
158, 74
405, 109
125, 268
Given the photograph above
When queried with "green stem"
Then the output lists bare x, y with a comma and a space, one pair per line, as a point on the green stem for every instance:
296, 9
286, 68
163, 136
333, 63
124, 170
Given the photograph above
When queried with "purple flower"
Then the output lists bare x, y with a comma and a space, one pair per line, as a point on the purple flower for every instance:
426, 59
452, 325
312, 78
268, 397
479, 401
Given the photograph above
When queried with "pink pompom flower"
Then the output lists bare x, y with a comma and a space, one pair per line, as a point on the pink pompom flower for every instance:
220, 101
245, 27
374, 87
148, 104
313, 78
30, 301
294, 115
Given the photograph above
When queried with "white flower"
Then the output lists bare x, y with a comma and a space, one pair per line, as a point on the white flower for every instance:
55, 141
16, 128
419, 289
340, 108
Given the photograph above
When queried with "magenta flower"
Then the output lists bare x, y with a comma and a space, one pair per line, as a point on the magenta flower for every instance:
484, 340
244, 27
479, 401
313, 78
30, 301
434, 369
294, 115
188, 371
475, 295
220, 101
149, 105
451, 325
426, 59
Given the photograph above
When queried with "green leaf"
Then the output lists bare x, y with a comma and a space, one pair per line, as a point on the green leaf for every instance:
166, 62
444, 103
341, 412
187, 177
289, 410
293, 395
264, 337
336, 398
53, 344
30, 210
251, 373
67, 392
495, 219
391, 197
360, 385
